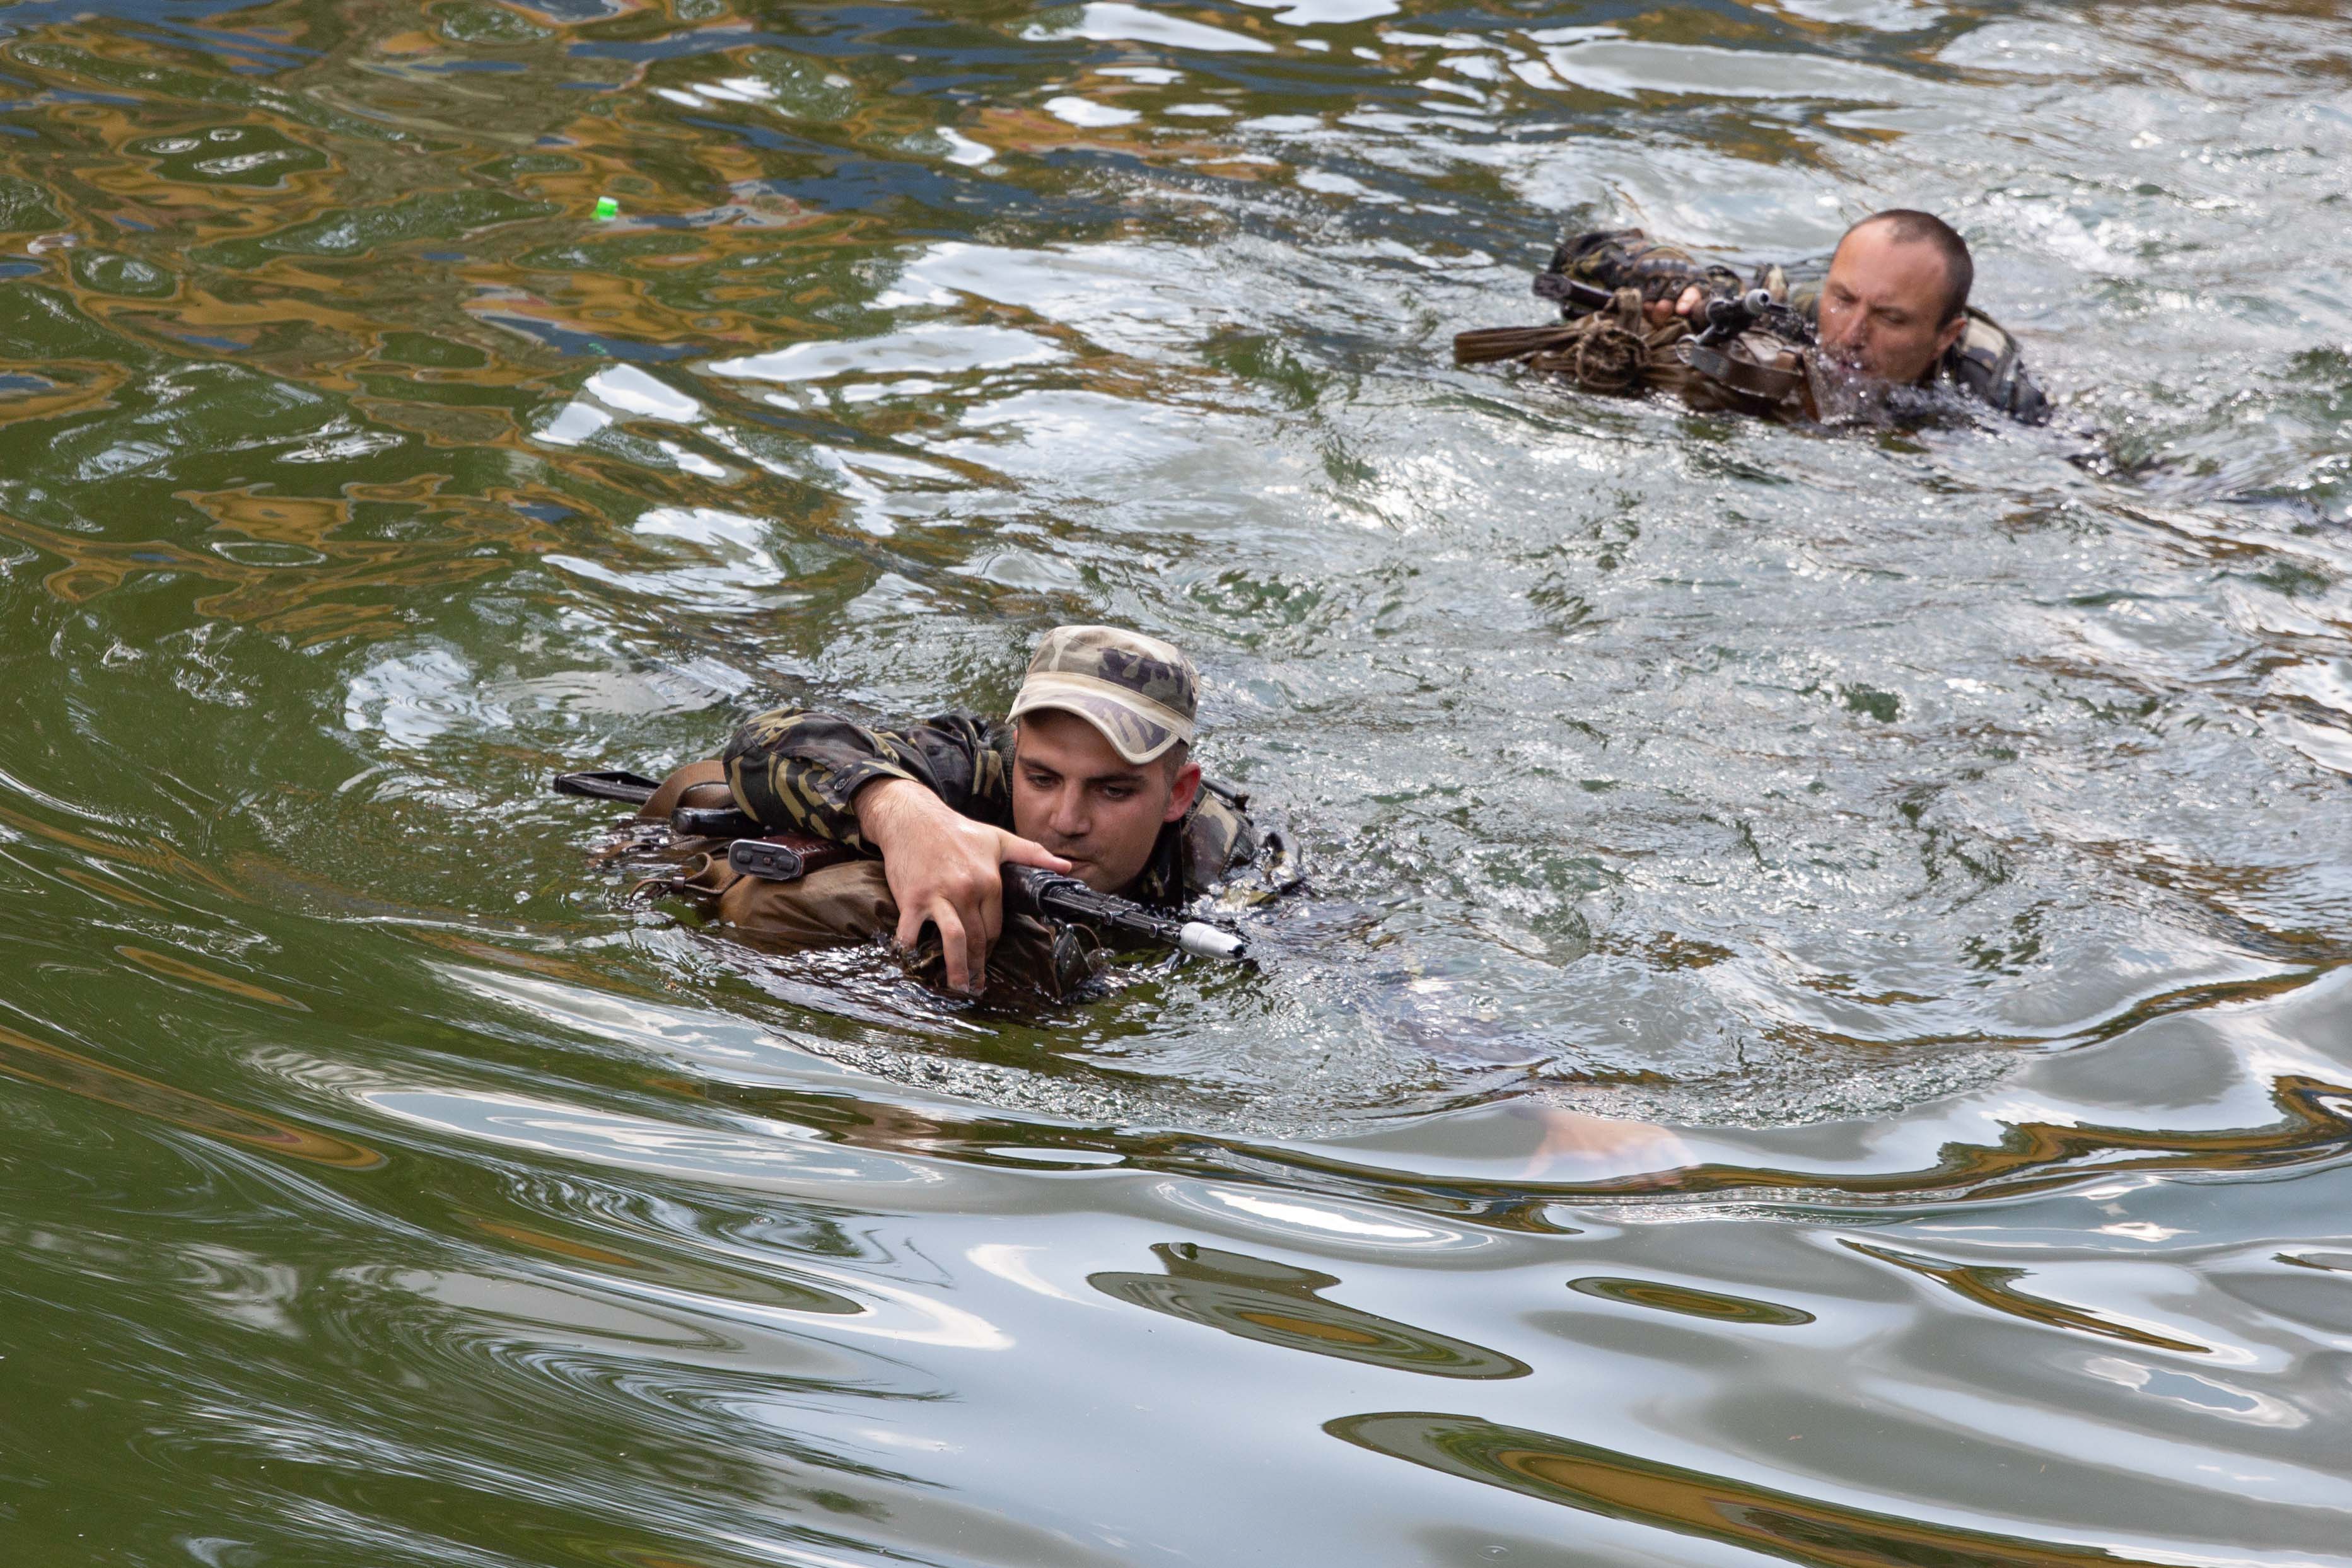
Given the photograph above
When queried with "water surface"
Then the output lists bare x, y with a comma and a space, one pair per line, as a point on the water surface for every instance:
1927, 850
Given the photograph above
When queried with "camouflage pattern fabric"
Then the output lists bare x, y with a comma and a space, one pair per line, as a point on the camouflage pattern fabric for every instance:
1612, 260
800, 770
1990, 364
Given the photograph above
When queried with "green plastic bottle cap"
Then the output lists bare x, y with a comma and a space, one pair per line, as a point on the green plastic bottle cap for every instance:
608, 208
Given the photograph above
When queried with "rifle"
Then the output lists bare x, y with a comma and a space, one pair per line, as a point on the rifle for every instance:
611, 784
635, 789
1723, 320
1726, 319
1572, 295
1028, 890
770, 856
1032, 890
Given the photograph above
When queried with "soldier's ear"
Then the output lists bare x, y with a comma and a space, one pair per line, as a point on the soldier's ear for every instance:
1186, 788
1951, 334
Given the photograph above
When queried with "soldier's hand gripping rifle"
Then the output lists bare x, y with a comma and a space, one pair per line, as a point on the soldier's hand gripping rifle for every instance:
1028, 890
1721, 321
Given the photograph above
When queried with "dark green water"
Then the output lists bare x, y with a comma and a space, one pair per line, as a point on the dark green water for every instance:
1931, 852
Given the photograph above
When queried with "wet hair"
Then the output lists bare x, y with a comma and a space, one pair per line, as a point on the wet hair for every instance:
1926, 228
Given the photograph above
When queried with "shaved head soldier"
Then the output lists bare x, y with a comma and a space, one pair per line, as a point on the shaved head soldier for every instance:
1893, 312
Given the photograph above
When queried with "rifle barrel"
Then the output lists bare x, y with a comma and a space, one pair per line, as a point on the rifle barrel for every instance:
1038, 892
607, 784
1203, 940
1568, 290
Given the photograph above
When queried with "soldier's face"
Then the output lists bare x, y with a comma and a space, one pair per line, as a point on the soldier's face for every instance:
1882, 308
1074, 794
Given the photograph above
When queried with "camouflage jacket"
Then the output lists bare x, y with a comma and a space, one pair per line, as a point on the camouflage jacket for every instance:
800, 771
1986, 361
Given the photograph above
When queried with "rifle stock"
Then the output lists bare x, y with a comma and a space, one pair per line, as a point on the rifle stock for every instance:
715, 822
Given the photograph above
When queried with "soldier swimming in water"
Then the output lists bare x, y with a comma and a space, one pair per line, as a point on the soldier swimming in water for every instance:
1892, 314
1089, 775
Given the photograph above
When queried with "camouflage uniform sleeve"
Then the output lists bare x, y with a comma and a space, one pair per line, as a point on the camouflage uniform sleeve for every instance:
1611, 259
1218, 838
803, 771
1990, 362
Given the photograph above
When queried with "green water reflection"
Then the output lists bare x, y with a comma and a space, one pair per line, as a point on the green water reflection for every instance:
1822, 1011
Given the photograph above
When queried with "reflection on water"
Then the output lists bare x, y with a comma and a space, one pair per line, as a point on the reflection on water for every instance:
1783, 1525
1913, 863
1694, 1303
1278, 1304
79, 1074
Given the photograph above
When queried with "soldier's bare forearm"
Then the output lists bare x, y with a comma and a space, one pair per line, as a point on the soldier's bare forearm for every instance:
888, 808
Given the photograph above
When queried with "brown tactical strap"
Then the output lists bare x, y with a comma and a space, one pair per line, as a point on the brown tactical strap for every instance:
1485, 345
696, 784
700, 877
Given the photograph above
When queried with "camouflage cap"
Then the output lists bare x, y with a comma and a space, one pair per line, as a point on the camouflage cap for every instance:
1140, 692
